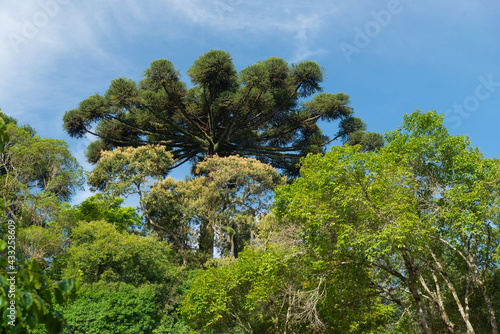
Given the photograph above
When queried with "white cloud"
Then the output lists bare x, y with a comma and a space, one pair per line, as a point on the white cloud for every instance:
38, 35
294, 20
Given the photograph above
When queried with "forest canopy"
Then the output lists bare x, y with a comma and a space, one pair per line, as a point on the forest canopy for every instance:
384, 235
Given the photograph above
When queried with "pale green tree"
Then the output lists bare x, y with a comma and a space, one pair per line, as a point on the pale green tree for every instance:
224, 201
131, 171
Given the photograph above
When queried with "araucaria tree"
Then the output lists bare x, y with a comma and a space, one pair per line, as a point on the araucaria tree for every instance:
259, 112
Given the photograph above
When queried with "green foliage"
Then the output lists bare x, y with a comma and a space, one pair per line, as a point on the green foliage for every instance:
167, 207
215, 71
35, 295
281, 289
124, 170
116, 308
369, 141
4, 136
227, 198
40, 243
418, 215
232, 193
255, 113
127, 171
128, 282
52, 242
36, 175
236, 294
41, 165
99, 252
113, 308
100, 207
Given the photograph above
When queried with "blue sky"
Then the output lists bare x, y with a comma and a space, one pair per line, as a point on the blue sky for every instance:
391, 57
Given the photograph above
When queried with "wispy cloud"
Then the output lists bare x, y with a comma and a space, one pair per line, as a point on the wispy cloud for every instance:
293, 20
37, 36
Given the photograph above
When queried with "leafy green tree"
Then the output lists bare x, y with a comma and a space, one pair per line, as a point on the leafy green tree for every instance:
129, 277
101, 207
226, 199
419, 214
166, 205
112, 308
457, 191
281, 288
27, 294
259, 112
36, 176
95, 208
100, 252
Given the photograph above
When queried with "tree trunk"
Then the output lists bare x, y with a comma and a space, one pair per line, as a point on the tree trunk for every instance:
232, 246
412, 285
466, 300
437, 299
493, 321
206, 239
449, 324
476, 278
482, 286
451, 287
